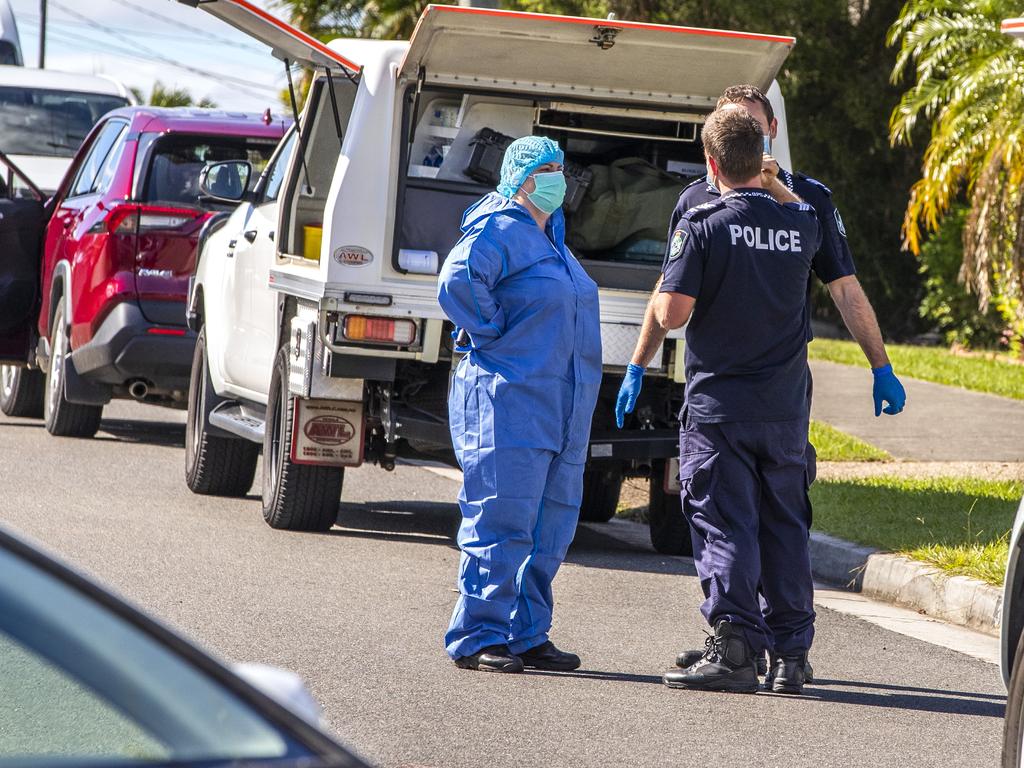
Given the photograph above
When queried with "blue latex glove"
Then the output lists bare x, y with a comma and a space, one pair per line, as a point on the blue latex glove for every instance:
628, 392
888, 389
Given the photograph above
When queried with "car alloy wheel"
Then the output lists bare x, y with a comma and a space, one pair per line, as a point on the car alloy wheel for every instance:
7, 376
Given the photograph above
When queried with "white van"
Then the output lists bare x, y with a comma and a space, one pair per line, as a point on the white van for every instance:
320, 335
45, 116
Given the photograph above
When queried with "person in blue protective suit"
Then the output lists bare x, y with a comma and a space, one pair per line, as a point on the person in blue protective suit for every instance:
520, 406
832, 265
736, 275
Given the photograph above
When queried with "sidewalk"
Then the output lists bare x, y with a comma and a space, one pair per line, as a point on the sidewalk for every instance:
940, 423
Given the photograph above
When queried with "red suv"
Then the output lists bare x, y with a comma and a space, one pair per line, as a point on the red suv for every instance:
118, 248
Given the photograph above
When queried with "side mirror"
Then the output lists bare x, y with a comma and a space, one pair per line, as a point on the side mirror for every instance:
286, 688
225, 182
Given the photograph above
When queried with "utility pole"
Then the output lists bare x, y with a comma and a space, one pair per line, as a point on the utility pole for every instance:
42, 34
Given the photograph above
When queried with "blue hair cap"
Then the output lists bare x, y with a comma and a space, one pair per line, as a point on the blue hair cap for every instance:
523, 157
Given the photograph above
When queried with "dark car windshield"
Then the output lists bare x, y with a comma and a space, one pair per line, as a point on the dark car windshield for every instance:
81, 684
177, 160
38, 121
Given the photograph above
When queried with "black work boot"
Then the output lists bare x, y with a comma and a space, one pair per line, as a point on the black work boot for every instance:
493, 658
770, 675
788, 673
689, 658
547, 656
727, 664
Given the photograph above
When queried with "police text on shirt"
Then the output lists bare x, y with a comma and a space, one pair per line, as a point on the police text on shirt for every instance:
774, 240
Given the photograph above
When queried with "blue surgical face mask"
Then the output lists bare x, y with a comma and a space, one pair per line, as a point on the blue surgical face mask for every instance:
550, 191
767, 144
710, 179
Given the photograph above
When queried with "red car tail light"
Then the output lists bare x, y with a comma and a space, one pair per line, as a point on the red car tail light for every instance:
131, 219
384, 330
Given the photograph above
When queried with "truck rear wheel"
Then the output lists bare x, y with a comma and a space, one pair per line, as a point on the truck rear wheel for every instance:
214, 465
64, 418
670, 533
21, 391
601, 489
296, 497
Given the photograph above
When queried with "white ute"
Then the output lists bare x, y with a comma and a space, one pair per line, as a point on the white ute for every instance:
320, 336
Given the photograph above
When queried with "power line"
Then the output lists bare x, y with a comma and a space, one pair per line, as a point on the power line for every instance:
166, 35
156, 55
106, 47
197, 30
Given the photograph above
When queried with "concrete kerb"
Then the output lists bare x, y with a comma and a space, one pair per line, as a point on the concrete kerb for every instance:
896, 579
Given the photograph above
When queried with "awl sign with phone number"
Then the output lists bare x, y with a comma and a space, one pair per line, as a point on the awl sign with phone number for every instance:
328, 432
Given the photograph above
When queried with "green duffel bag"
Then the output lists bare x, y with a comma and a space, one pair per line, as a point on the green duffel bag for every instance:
630, 198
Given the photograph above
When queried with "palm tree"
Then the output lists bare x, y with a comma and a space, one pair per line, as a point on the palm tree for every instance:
970, 85
164, 96
392, 19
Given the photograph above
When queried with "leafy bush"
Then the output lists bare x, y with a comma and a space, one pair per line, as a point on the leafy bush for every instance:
946, 301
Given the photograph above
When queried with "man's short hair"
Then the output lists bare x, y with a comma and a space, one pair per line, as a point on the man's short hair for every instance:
737, 94
733, 138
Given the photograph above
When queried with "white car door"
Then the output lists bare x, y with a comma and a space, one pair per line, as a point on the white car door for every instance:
252, 342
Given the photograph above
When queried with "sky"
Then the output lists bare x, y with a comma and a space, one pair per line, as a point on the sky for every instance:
142, 41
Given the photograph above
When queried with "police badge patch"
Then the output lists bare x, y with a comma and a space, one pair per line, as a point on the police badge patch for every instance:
678, 241
839, 223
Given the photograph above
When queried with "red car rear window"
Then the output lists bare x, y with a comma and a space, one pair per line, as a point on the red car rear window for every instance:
174, 165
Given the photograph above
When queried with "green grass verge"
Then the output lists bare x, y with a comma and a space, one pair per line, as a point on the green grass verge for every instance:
960, 525
833, 445
980, 374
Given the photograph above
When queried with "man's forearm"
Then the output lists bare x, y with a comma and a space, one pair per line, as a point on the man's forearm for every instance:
782, 193
652, 335
859, 317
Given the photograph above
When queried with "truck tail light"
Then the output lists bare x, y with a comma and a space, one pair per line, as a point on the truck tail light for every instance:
132, 219
382, 330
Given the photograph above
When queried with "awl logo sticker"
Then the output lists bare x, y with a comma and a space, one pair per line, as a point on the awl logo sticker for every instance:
352, 256
329, 430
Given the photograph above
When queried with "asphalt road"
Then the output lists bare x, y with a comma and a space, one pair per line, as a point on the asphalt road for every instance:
360, 612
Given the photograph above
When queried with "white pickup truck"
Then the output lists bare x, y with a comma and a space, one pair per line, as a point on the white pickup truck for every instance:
320, 336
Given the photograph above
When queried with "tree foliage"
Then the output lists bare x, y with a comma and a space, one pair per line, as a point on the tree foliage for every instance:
170, 96
970, 85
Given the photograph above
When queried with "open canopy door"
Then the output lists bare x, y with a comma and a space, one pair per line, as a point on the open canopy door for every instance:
573, 56
285, 41
1014, 28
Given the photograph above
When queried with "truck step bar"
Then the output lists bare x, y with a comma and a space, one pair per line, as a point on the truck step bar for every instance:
245, 421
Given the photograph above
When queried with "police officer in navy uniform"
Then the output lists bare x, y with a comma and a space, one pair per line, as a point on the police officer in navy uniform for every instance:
736, 274
832, 265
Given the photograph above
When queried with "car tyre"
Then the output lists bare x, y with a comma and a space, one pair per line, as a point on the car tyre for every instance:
296, 497
64, 418
214, 465
670, 532
601, 489
21, 391
1013, 723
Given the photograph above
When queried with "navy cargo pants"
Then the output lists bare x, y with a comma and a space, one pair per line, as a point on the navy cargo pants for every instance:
744, 493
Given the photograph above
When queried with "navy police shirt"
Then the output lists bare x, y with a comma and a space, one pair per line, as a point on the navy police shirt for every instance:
746, 260
833, 259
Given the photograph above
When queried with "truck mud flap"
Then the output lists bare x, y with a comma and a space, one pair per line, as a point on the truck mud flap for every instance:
328, 432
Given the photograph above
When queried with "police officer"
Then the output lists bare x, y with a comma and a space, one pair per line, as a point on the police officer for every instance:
832, 265
739, 265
